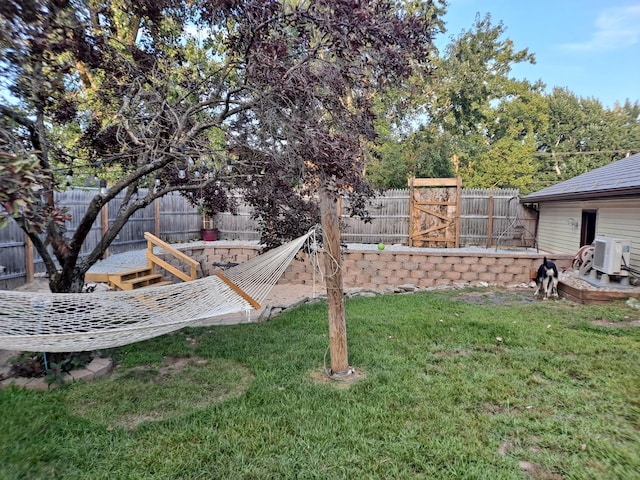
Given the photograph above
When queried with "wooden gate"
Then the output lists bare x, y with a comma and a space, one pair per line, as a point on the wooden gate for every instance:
433, 212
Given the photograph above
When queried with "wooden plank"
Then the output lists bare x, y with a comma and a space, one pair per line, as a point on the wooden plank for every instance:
592, 297
429, 230
411, 209
456, 213
156, 217
436, 202
433, 213
155, 260
436, 239
176, 253
238, 290
433, 182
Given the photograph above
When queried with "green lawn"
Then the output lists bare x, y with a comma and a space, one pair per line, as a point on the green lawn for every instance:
468, 384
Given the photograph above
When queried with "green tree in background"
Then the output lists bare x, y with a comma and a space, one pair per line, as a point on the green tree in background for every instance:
583, 135
468, 104
421, 154
508, 164
473, 119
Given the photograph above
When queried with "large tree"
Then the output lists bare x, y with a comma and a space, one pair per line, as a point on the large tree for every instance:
458, 112
276, 98
582, 135
496, 130
120, 91
318, 67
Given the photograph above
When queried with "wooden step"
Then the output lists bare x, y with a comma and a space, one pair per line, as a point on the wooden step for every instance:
134, 273
140, 282
117, 276
130, 279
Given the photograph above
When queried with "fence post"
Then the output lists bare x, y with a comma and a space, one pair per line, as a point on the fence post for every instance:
156, 217
490, 225
411, 207
28, 259
104, 224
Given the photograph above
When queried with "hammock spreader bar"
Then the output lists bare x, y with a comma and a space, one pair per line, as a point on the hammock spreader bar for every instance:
239, 291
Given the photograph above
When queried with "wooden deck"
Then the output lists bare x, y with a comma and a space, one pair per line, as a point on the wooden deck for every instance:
594, 297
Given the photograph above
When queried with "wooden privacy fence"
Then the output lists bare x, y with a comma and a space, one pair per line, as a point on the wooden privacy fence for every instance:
485, 217
171, 216
494, 218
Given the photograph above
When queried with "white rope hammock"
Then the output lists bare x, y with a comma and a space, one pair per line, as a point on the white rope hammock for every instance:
74, 322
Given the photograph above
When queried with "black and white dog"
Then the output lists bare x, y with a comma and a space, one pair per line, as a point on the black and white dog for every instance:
547, 279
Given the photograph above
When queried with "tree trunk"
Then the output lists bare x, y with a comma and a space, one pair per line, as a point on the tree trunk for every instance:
333, 281
67, 282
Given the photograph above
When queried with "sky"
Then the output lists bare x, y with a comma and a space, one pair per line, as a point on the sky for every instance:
591, 47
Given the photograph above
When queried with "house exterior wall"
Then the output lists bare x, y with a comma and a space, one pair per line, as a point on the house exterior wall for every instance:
618, 218
555, 234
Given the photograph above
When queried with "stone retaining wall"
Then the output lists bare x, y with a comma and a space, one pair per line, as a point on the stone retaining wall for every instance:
379, 269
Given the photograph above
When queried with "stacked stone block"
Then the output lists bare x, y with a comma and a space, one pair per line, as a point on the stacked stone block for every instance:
381, 269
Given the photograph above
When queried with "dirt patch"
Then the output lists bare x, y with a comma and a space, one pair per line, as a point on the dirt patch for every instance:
338, 381
498, 297
537, 471
530, 469
171, 366
603, 322
460, 352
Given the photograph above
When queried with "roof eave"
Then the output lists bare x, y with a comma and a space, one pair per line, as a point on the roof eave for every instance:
590, 195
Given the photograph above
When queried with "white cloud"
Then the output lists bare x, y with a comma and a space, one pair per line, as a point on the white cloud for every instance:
615, 28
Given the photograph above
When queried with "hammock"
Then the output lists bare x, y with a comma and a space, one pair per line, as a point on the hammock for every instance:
74, 322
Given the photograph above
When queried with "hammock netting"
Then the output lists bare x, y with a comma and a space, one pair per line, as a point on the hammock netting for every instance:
74, 322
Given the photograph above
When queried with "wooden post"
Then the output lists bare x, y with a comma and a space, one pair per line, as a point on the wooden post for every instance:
333, 281
490, 226
156, 217
457, 221
411, 207
104, 218
28, 259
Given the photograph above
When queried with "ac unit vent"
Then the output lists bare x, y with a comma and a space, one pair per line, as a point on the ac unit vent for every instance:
611, 254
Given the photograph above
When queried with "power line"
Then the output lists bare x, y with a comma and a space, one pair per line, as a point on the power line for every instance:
597, 152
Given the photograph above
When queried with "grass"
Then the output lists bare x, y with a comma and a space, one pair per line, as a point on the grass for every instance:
472, 384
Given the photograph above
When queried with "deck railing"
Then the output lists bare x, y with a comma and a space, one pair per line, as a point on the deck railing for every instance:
154, 261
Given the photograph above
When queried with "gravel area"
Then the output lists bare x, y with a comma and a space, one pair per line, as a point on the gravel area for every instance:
120, 261
573, 279
474, 250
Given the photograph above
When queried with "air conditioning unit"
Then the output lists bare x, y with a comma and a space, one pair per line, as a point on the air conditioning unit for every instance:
611, 254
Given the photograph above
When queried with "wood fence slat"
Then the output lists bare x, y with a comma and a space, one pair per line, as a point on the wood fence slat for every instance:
174, 220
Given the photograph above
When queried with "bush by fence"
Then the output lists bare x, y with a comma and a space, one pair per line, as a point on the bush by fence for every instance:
486, 218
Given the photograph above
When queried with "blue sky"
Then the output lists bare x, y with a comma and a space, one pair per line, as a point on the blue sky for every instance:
591, 47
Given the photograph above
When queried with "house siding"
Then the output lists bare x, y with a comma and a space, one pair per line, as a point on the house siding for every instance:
555, 234
615, 218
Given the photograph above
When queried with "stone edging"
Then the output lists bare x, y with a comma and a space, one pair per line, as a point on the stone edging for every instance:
98, 367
